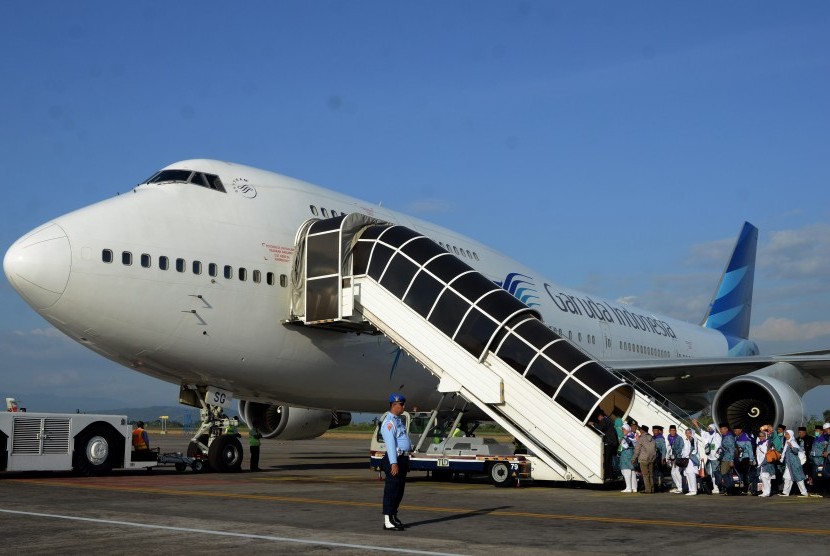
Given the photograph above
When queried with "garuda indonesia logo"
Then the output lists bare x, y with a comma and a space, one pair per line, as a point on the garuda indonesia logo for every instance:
520, 287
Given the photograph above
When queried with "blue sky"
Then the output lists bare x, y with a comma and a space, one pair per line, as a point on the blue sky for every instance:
617, 147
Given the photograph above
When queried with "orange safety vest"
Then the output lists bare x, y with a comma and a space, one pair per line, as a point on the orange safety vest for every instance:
138, 440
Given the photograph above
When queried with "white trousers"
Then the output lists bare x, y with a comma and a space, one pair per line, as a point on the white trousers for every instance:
676, 477
691, 476
788, 483
766, 482
630, 477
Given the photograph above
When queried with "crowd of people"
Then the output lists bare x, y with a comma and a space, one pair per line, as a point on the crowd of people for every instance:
717, 459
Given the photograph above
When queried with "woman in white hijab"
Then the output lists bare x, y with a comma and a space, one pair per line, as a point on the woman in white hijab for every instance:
692, 468
793, 472
626, 465
766, 469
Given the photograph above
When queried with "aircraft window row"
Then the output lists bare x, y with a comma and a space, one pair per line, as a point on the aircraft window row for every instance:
326, 213
645, 350
196, 268
466, 253
209, 181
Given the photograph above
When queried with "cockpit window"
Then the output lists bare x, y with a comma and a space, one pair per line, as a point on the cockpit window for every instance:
214, 182
209, 181
170, 175
198, 178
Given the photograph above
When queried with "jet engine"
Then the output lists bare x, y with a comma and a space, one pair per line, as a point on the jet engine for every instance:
752, 400
285, 422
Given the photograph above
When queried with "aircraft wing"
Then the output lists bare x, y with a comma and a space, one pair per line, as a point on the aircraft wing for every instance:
688, 382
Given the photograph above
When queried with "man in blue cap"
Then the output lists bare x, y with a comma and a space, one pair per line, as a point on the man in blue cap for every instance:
395, 463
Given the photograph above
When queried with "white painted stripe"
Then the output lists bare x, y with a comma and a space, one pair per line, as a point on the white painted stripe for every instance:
230, 534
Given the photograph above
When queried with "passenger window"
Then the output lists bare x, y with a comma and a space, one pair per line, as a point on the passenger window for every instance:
325, 212
243, 274
212, 270
164, 263
228, 271
269, 278
126, 258
180, 265
469, 255
197, 267
455, 249
145, 260
106, 255
283, 280
313, 209
257, 277
475, 255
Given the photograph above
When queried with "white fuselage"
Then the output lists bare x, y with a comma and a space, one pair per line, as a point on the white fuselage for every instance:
185, 326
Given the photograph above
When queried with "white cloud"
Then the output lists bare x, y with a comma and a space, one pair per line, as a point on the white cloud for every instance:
712, 254
791, 292
783, 329
50, 332
802, 254
57, 379
628, 300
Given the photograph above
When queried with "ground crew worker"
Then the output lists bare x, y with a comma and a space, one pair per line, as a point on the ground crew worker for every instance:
141, 441
254, 442
230, 428
395, 462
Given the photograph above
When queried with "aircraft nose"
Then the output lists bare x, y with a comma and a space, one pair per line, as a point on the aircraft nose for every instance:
38, 265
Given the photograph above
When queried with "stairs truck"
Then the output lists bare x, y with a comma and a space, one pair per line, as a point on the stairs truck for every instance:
446, 446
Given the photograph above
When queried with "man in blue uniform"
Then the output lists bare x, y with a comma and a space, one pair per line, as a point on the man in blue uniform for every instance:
395, 463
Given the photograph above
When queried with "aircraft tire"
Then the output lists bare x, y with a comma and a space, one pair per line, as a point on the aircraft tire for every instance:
225, 454
95, 451
193, 449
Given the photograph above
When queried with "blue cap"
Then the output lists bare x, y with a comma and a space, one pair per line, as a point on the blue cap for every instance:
397, 398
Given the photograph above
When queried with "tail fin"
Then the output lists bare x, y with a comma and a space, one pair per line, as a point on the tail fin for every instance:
731, 306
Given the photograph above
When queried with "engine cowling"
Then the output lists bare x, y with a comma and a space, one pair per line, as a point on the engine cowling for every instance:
285, 422
752, 400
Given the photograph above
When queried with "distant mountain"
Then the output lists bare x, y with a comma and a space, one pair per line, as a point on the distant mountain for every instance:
179, 413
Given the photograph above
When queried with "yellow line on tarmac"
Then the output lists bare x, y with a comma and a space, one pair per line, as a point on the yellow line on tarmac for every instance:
436, 509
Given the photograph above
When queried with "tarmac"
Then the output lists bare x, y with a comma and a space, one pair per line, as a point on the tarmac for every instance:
319, 497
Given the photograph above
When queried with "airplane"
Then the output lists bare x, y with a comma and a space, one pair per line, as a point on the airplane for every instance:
190, 277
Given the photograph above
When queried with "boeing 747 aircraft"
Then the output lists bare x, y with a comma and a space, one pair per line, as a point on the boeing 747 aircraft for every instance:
198, 277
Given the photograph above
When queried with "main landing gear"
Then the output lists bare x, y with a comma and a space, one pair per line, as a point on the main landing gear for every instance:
217, 440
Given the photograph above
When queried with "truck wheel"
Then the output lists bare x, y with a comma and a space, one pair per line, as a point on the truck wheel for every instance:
180, 467
196, 466
225, 454
95, 451
500, 474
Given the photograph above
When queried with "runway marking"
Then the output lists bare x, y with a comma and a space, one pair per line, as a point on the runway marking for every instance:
227, 533
433, 509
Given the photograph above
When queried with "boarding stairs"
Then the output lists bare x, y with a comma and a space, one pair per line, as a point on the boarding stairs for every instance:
481, 342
